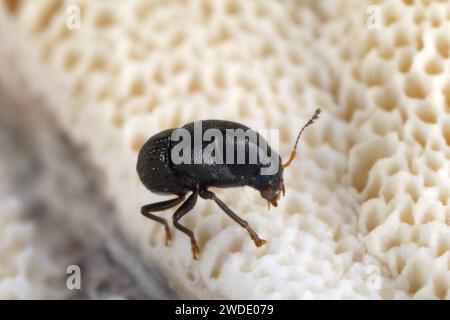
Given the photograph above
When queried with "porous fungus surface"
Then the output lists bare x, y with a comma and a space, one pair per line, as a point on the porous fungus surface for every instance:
366, 211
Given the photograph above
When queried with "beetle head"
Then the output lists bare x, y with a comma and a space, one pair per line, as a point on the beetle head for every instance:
272, 194
271, 186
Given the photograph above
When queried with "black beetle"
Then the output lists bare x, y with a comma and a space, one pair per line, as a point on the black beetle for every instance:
160, 174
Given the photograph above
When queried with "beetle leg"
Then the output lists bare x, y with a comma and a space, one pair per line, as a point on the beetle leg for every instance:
181, 211
159, 206
206, 194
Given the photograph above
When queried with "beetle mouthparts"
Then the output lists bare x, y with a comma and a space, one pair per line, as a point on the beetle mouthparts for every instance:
273, 201
271, 196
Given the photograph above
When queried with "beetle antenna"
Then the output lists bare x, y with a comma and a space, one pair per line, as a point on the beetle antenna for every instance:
294, 151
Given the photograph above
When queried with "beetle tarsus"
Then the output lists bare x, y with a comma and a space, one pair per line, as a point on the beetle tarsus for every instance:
168, 237
195, 251
259, 242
